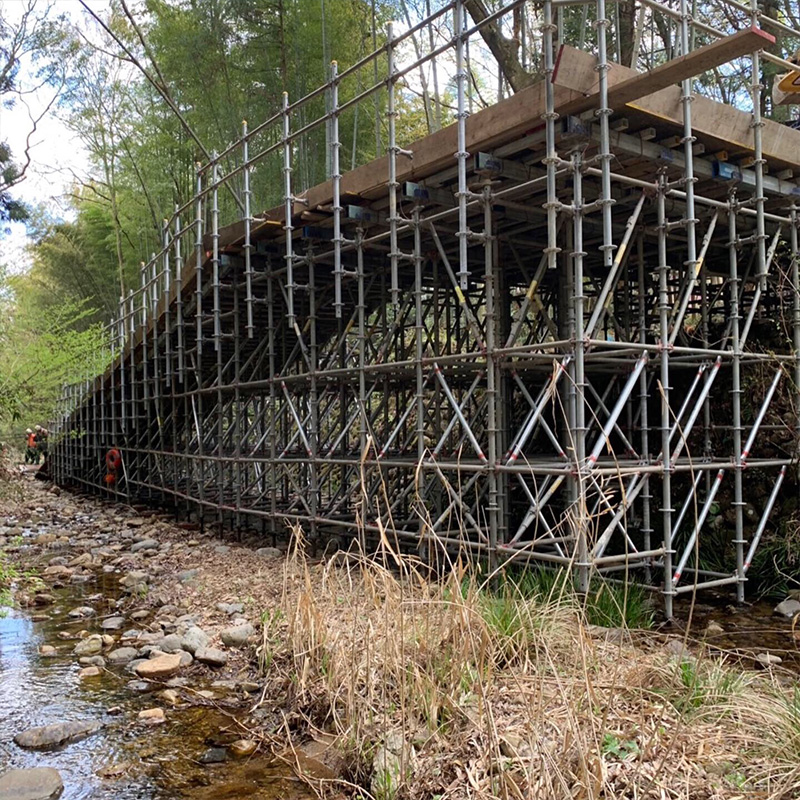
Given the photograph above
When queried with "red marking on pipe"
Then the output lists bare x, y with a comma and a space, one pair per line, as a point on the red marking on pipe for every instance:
676, 577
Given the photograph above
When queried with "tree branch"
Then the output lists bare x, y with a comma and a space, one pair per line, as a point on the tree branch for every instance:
159, 85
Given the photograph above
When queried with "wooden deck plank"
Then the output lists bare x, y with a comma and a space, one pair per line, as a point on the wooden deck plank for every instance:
640, 84
726, 126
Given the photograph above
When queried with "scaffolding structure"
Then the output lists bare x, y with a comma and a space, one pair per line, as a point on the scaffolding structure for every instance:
557, 331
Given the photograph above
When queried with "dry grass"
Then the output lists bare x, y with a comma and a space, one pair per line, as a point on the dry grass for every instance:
503, 696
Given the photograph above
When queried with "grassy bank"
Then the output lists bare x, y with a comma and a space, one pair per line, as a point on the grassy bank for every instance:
514, 692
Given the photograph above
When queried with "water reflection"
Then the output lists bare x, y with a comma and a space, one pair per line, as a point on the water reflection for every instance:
145, 764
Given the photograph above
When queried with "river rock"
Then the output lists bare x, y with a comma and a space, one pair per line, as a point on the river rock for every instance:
92, 661
135, 522
139, 615
43, 599
788, 608
222, 549
163, 666
768, 659
145, 544
113, 623
134, 578
269, 552
188, 575
392, 765
37, 783
47, 651
152, 716
139, 687
122, 655
57, 734
238, 635
194, 639
90, 672
230, 608
56, 571
81, 612
90, 646
83, 560
242, 748
171, 643
169, 696
214, 755
211, 656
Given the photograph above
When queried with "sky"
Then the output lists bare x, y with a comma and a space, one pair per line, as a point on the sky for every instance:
56, 153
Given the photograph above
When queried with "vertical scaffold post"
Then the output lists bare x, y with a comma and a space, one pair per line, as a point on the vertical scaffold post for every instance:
461, 154
198, 265
580, 510
273, 406
761, 237
664, 308
492, 378
167, 279
122, 340
603, 112
363, 416
796, 326
551, 158
336, 179
644, 419
215, 288
247, 247
391, 114
736, 385
288, 210
419, 396
179, 296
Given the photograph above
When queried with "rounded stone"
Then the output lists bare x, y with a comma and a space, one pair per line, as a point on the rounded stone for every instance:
37, 783
163, 666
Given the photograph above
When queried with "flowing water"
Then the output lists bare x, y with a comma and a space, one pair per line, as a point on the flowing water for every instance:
124, 759
747, 631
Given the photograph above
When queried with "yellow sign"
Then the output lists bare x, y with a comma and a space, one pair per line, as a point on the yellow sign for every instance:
789, 83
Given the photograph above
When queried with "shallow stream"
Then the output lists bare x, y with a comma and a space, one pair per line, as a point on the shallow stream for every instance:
124, 759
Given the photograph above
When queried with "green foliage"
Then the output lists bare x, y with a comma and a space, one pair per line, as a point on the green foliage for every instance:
610, 604
11, 210
8, 574
706, 685
615, 605
618, 748
271, 624
776, 565
40, 350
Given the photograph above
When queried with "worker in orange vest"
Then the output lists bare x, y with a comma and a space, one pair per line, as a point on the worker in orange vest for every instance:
31, 451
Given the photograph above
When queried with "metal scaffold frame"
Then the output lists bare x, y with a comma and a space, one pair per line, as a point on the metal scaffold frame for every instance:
555, 332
